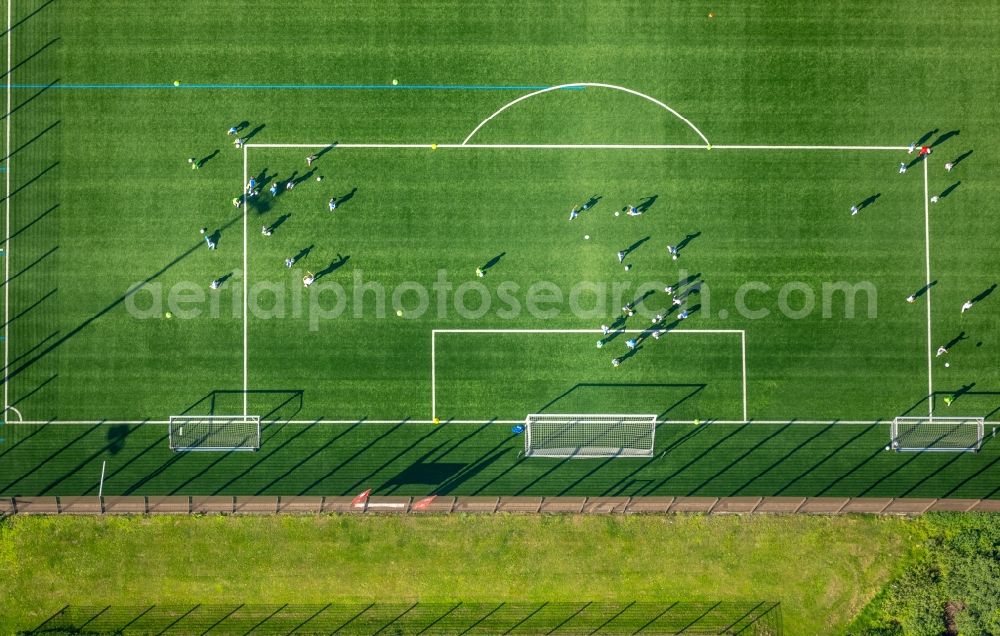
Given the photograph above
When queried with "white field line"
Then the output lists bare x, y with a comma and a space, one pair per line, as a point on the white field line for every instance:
743, 353
835, 422
447, 146
246, 277
927, 254
434, 332
6, 243
433, 374
595, 85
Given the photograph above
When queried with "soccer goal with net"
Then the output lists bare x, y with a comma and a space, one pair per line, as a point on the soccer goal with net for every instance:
554, 435
219, 433
936, 434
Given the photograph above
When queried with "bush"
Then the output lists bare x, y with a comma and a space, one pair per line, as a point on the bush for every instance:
951, 584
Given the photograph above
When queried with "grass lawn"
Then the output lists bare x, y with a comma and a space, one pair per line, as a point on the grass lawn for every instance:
822, 570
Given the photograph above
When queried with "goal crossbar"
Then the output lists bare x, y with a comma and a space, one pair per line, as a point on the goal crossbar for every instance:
589, 435
219, 433
937, 434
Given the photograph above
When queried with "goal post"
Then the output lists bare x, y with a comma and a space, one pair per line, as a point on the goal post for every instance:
589, 435
936, 434
219, 433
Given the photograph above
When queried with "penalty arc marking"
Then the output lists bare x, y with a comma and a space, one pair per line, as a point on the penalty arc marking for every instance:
592, 85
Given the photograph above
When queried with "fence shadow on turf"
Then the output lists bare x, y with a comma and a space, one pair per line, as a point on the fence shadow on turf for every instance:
10, 374
691, 391
747, 617
229, 401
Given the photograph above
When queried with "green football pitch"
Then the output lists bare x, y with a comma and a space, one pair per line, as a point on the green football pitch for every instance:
451, 283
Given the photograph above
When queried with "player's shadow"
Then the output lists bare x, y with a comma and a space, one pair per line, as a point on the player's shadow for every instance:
341, 200
492, 262
333, 266
253, 133
303, 253
923, 290
868, 201
960, 158
278, 221
305, 177
201, 162
945, 137
949, 189
926, 136
983, 294
221, 280
687, 240
326, 149
646, 203
634, 246
954, 341
591, 202
215, 237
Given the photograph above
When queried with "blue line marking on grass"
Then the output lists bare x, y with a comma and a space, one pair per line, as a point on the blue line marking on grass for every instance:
322, 87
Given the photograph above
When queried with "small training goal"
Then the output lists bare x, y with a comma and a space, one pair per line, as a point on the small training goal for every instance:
581, 436
219, 433
936, 434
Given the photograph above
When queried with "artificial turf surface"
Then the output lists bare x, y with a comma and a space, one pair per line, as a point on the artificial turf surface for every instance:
103, 201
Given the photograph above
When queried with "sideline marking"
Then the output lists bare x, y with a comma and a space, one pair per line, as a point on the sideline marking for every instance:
321, 87
927, 253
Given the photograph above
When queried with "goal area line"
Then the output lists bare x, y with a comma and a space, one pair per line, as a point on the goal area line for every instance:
740, 332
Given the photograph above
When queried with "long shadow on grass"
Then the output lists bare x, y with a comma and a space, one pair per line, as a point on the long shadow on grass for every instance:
28, 17
272, 451
30, 57
38, 94
35, 390
32, 265
120, 469
444, 476
627, 385
69, 472
823, 460
629, 479
737, 460
32, 349
114, 304
39, 465
30, 223
699, 457
27, 309
822, 431
391, 460
32, 140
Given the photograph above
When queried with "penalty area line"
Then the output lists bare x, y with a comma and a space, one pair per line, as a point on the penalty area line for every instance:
451, 146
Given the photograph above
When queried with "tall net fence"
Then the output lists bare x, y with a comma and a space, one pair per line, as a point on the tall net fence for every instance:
591, 435
751, 618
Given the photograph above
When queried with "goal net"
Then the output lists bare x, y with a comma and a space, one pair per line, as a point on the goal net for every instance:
214, 432
936, 434
554, 435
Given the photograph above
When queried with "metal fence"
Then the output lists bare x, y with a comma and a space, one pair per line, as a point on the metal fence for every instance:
533, 505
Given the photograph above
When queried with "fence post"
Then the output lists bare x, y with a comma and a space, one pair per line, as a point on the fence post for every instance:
13, 504
58, 505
